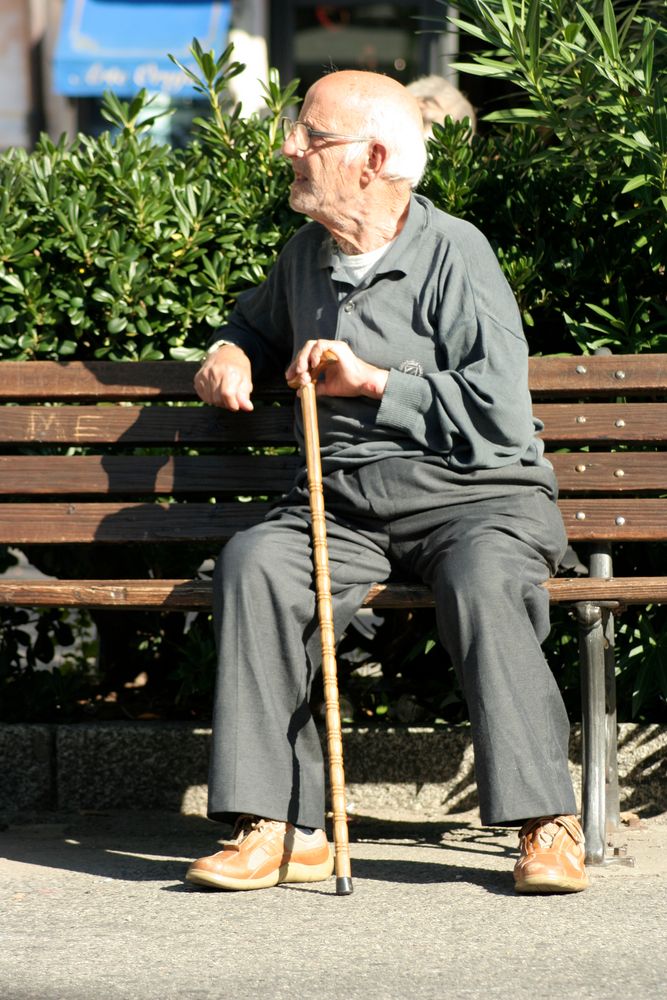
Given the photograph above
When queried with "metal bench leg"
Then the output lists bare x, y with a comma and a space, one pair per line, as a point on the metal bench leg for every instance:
592, 658
612, 798
600, 564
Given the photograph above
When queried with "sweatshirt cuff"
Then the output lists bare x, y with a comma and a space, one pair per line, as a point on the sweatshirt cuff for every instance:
404, 397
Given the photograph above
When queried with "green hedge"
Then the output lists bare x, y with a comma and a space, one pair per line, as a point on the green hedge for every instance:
116, 247
571, 182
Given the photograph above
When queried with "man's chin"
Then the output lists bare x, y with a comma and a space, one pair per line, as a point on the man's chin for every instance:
299, 202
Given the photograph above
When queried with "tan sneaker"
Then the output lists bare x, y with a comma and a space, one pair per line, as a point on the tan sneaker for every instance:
551, 856
262, 853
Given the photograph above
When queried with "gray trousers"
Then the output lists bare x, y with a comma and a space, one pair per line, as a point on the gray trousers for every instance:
483, 545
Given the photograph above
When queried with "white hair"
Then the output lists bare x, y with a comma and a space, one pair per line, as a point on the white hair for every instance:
391, 123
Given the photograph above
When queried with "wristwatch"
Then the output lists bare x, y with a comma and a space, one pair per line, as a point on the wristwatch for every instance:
220, 343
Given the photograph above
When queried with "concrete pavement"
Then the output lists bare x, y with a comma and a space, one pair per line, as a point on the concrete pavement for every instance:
93, 905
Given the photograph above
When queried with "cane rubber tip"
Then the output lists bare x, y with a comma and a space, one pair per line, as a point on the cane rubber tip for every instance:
344, 886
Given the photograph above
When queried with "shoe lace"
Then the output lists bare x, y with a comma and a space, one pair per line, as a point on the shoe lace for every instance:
244, 826
543, 829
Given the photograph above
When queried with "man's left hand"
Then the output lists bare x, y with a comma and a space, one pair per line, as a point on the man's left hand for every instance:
347, 375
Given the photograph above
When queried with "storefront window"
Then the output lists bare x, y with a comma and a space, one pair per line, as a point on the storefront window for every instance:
310, 39
373, 36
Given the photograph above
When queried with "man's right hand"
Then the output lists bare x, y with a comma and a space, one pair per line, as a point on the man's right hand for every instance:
225, 379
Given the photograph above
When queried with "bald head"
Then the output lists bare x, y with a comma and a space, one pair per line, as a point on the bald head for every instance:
360, 89
370, 104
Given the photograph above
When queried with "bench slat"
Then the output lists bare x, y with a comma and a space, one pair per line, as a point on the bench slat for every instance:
111, 381
643, 373
137, 475
137, 425
611, 423
196, 595
618, 472
616, 374
207, 425
562, 590
39, 523
621, 519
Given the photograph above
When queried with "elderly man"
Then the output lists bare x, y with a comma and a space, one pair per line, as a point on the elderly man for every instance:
431, 464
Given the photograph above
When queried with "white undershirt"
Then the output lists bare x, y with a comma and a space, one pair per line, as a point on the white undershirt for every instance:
357, 265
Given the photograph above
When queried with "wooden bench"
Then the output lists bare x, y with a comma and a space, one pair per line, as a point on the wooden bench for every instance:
121, 454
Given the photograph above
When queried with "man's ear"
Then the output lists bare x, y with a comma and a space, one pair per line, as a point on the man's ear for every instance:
376, 158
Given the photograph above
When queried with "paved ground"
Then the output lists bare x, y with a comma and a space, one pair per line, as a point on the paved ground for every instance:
94, 906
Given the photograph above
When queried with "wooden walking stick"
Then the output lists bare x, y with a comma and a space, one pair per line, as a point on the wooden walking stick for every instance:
325, 615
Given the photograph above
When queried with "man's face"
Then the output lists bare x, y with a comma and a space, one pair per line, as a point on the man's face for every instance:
326, 176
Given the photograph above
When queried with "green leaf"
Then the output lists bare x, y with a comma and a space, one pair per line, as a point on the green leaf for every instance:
508, 10
642, 139
21, 249
187, 354
647, 52
517, 116
592, 26
660, 116
639, 181
484, 67
533, 32
471, 29
14, 282
609, 19
117, 324
150, 353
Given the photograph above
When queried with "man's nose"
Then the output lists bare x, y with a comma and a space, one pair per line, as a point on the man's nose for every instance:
289, 147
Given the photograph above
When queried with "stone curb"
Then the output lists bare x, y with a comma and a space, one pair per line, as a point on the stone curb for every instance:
146, 765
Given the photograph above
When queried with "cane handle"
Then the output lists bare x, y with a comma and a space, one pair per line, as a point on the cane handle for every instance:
328, 358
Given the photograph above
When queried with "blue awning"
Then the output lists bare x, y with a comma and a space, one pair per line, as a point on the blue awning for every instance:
122, 46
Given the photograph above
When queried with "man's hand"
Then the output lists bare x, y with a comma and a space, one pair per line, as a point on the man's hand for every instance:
225, 379
348, 375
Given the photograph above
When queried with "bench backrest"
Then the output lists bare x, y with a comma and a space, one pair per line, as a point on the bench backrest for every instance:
124, 453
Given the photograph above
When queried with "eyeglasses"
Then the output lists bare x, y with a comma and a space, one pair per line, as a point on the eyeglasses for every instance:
302, 134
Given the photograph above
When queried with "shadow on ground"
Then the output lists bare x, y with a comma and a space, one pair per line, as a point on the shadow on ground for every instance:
157, 847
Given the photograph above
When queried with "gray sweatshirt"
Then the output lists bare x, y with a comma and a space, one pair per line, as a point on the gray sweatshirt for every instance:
437, 312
